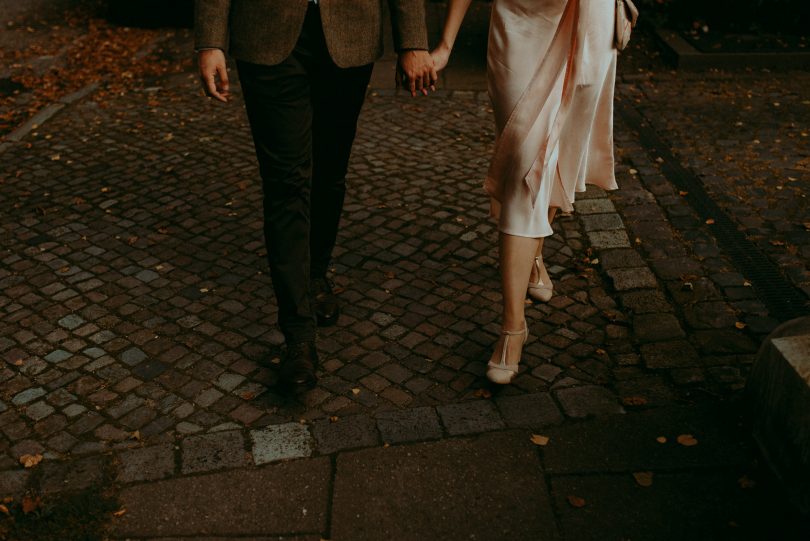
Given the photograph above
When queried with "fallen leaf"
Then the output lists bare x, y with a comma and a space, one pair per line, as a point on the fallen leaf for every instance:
643, 478
29, 461
661, 439
746, 482
687, 440
275, 360
600, 351
4, 509
740, 325
136, 435
248, 395
576, 501
537, 439
682, 193
132, 240
687, 286
747, 283
333, 418
30, 504
119, 513
710, 221
633, 171
482, 393
356, 391
634, 401
777, 242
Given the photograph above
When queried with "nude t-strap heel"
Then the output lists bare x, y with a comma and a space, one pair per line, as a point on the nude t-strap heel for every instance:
501, 372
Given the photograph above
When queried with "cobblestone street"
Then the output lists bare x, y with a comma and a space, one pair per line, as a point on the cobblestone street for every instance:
140, 349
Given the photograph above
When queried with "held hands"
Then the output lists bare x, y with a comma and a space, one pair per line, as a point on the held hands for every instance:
440, 55
213, 75
415, 70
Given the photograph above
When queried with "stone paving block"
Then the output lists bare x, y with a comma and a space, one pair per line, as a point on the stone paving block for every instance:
133, 356
645, 301
280, 442
69, 475
470, 417
279, 500
28, 395
657, 327
675, 354
620, 258
146, 464
693, 505
594, 206
627, 443
39, 410
209, 452
12, 483
417, 492
632, 278
587, 401
414, 424
345, 433
602, 222
603, 240
529, 410
71, 321
57, 356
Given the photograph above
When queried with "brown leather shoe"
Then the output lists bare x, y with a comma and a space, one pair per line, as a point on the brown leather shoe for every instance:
327, 308
299, 365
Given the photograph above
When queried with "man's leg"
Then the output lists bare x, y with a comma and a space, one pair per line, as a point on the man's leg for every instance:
337, 98
278, 103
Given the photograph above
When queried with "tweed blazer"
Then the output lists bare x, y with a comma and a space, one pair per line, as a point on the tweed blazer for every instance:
266, 31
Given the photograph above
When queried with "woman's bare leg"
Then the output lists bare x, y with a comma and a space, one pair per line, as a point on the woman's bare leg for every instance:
516, 261
552, 212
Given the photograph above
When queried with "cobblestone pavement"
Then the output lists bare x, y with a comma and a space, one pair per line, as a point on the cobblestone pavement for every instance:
137, 316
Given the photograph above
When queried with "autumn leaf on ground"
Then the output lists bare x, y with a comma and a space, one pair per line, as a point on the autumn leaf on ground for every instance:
687, 440
247, 395
661, 439
136, 435
740, 325
482, 393
576, 501
333, 419
746, 482
356, 391
634, 401
30, 504
710, 221
4, 509
119, 513
643, 478
540, 440
29, 461
683, 193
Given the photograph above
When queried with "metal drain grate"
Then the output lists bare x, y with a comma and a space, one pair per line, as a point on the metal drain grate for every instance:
783, 299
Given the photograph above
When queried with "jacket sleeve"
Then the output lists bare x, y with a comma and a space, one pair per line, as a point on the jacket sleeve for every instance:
408, 24
211, 24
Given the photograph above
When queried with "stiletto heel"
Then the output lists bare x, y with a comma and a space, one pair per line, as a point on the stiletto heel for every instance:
539, 290
501, 372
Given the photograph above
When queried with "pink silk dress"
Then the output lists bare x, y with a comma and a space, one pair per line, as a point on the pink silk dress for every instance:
551, 67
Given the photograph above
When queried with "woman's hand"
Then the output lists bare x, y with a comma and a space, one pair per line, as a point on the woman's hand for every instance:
440, 55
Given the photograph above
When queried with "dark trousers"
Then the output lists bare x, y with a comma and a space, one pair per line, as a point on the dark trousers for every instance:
303, 116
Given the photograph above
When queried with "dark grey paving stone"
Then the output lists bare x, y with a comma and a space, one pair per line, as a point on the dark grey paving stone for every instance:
488, 487
587, 401
146, 464
209, 452
675, 354
529, 411
470, 417
12, 482
628, 442
285, 498
397, 426
346, 433
694, 505
657, 327
68, 475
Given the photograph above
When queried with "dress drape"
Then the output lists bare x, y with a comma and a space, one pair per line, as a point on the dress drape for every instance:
551, 68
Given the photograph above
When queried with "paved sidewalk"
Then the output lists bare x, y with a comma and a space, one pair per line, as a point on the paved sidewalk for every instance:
140, 351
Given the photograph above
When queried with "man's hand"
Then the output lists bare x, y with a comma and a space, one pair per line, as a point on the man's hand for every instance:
415, 69
213, 75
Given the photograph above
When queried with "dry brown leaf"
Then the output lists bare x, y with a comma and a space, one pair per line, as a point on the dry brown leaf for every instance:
644, 478
356, 391
634, 401
682, 193
746, 482
740, 325
30, 504
576, 501
687, 440
333, 418
661, 439
540, 440
248, 395
119, 513
710, 221
275, 360
4, 509
29, 461
482, 393
136, 435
